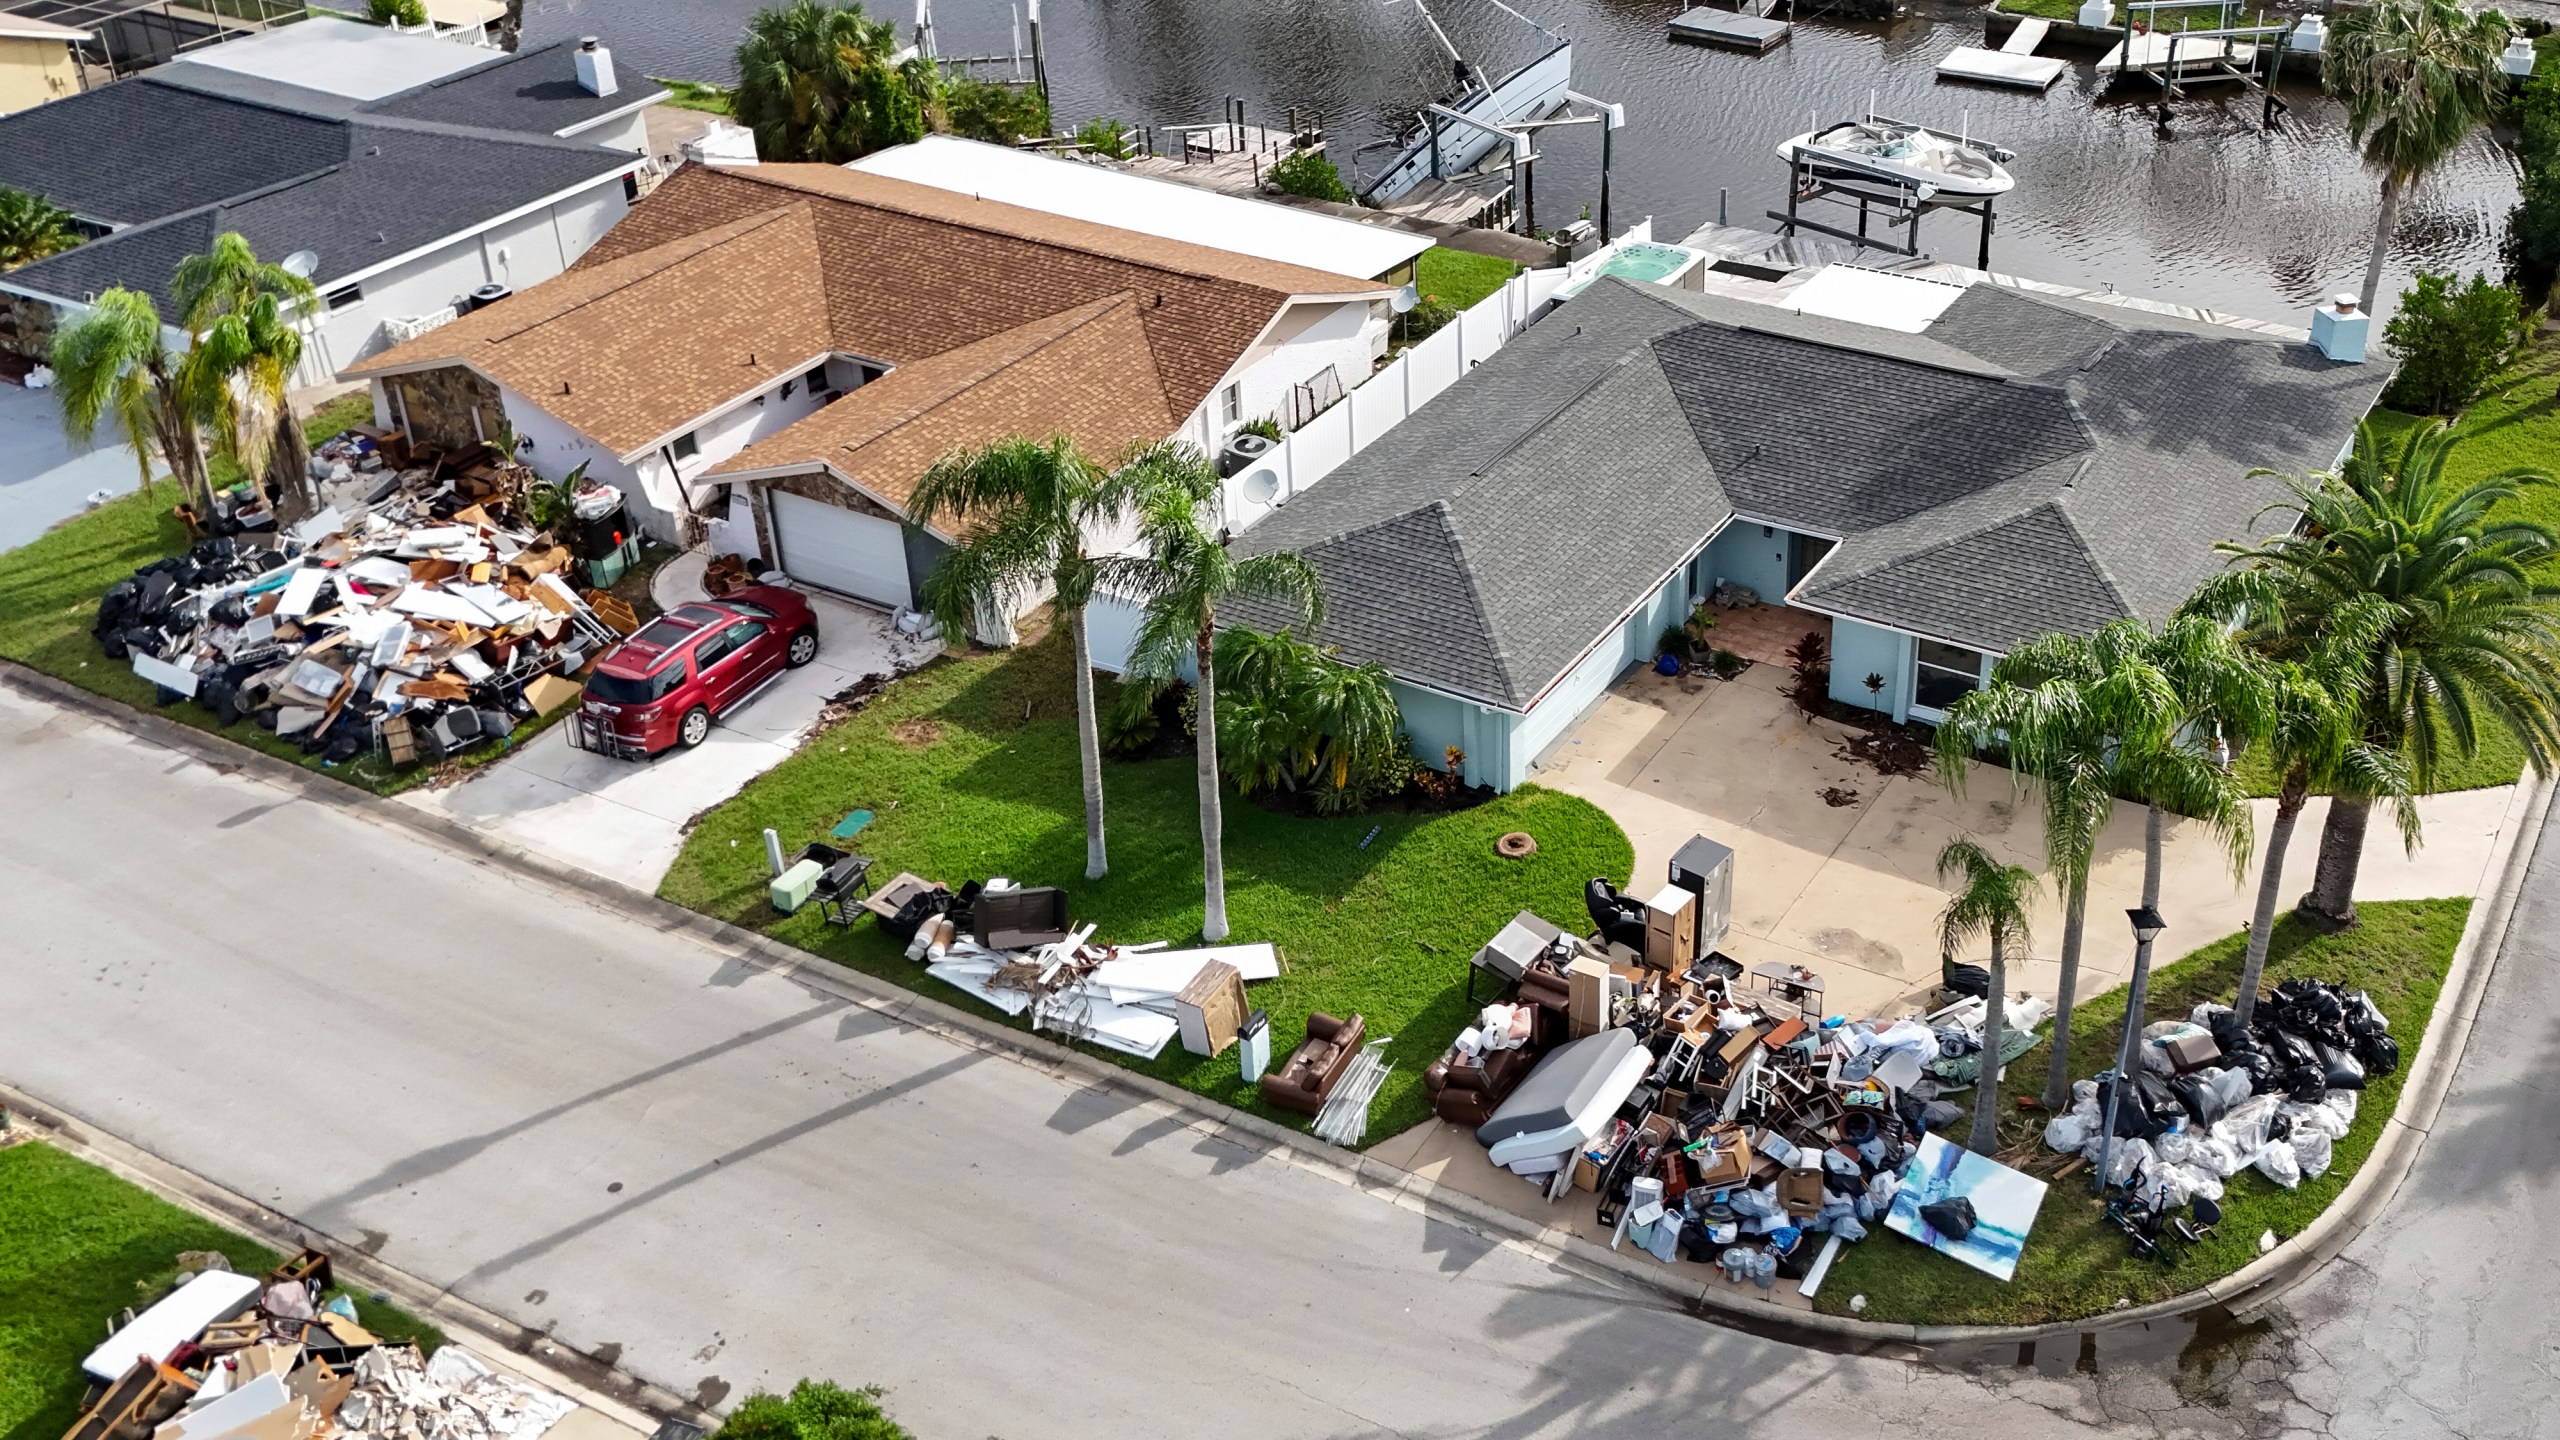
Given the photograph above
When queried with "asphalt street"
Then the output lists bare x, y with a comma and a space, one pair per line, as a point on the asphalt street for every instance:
727, 1181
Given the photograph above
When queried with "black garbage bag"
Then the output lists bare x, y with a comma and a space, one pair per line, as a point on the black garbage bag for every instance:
2306, 1083
2363, 1016
1952, 1217
912, 916
2134, 1117
2202, 1101
1970, 980
2263, 1073
2338, 1069
2379, 1054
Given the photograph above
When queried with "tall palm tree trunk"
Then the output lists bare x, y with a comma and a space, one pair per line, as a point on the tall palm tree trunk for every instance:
2057, 1075
2383, 226
1213, 855
2332, 900
2289, 802
1985, 1136
1088, 750
180, 447
289, 461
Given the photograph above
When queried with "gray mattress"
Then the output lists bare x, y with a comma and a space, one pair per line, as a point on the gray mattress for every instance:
1560, 1088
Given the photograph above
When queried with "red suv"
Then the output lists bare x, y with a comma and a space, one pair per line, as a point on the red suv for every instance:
662, 686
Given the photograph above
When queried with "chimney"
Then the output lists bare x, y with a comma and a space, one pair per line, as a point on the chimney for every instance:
2338, 330
595, 67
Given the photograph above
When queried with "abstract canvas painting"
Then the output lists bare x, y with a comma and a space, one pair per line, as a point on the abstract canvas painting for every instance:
2004, 1205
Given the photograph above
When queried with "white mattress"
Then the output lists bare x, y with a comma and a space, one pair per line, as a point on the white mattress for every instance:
1577, 1132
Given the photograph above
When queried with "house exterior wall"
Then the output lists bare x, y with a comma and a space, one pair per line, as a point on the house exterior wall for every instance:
451, 408
1571, 698
34, 71
1349, 336
522, 252
1434, 722
1749, 554
1859, 650
630, 132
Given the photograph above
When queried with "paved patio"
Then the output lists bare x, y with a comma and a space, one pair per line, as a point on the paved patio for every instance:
1851, 889
625, 820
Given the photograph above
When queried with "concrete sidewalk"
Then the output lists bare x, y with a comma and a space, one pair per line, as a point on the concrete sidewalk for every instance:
1846, 882
626, 820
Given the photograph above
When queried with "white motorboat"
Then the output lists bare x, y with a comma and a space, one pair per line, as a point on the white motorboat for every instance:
1439, 147
1942, 164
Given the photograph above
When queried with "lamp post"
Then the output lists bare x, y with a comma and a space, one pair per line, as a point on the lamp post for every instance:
2147, 926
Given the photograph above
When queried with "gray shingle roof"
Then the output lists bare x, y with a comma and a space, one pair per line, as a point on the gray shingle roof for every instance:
135, 151
532, 92
2022, 467
175, 165
391, 187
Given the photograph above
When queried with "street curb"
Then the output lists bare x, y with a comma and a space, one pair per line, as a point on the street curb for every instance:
619, 1395
2254, 1285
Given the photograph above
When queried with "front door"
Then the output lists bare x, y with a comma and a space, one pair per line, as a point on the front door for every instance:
1803, 553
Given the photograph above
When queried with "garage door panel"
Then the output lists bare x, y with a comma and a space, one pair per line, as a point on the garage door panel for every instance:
841, 550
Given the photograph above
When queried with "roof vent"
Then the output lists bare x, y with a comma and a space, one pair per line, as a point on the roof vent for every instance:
595, 67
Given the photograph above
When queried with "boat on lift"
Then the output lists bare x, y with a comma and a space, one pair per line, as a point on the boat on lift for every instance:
1937, 164
1441, 148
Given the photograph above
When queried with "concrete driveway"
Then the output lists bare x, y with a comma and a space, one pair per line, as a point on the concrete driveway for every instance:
626, 820
45, 478
1846, 881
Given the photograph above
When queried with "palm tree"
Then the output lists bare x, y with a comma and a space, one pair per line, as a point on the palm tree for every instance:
32, 227
111, 358
822, 83
2417, 76
243, 316
1023, 509
1187, 574
1990, 905
2447, 593
2087, 718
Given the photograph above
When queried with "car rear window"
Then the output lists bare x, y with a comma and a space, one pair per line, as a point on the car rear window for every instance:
624, 690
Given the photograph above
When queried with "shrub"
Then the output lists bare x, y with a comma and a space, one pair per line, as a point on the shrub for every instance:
2451, 341
1131, 723
999, 114
1426, 317
1268, 427
1673, 641
1308, 173
1810, 659
814, 1410
1291, 717
2532, 246
1101, 136
404, 12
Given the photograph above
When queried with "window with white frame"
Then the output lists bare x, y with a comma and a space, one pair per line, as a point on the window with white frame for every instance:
1231, 404
1944, 674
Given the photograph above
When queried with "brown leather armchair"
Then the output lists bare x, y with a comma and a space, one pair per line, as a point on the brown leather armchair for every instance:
1316, 1065
1465, 1092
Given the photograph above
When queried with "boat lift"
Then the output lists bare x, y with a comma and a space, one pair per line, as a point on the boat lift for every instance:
1897, 198
1520, 137
2251, 54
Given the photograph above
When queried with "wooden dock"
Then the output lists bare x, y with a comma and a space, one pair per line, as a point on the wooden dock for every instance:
1730, 29
2197, 59
2014, 63
1232, 160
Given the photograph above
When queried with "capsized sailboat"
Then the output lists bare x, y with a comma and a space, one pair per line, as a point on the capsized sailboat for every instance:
1439, 147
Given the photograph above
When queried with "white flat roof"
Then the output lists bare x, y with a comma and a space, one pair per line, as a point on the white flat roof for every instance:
1873, 297
1166, 208
342, 57
28, 27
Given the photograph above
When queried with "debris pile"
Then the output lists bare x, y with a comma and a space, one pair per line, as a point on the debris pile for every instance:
1011, 947
231, 1357
420, 612
2211, 1097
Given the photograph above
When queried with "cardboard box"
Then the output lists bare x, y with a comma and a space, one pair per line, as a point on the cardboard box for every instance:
1586, 1175
546, 693
1800, 1190
1729, 1164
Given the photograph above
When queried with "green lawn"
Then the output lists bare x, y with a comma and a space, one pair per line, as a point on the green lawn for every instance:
78, 1246
334, 416
1460, 277
2075, 1264
49, 593
971, 767
695, 95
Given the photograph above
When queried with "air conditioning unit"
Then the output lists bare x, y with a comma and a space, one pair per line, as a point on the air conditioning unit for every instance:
1244, 448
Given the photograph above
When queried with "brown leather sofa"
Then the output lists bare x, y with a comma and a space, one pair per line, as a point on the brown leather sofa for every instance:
1312, 1070
1464, 1092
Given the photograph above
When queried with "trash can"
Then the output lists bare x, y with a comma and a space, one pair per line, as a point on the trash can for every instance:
1253, 1046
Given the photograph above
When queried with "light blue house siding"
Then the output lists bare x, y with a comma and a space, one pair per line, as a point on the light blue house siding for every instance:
1746, 553
1437, 721
1859, 650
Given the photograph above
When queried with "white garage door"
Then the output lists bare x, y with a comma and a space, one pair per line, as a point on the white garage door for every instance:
836, 549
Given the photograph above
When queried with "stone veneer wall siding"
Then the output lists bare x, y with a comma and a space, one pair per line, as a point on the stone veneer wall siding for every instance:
822, 487
452, 408
26, 327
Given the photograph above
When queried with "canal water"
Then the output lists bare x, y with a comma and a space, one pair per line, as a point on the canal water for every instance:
2212, 210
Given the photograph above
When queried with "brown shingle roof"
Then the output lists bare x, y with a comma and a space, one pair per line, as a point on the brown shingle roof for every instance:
1082, 370
654, 327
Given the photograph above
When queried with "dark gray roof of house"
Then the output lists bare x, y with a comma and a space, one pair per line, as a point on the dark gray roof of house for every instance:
135, 151
1476, 548
532, 92
358, 190
2022, 467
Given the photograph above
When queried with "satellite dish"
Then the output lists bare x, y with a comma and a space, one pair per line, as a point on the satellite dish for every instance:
1262, 487
305, 263
1406, 298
